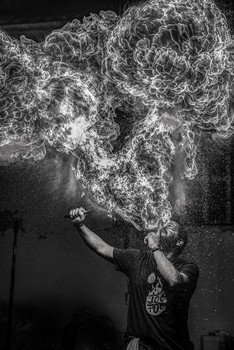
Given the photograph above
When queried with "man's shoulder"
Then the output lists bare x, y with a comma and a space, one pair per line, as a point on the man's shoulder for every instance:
190, 270
184, 263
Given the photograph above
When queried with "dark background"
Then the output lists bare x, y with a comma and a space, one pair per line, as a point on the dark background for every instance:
55, 273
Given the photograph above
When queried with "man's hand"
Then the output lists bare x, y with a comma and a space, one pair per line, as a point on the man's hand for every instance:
152, 239
78, 216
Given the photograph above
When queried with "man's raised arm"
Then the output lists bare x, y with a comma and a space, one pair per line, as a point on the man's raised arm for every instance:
90, 238
164, 265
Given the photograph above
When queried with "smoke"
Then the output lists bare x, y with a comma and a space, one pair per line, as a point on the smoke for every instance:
166, 64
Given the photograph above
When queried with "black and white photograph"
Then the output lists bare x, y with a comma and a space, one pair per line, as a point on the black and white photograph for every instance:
116, 175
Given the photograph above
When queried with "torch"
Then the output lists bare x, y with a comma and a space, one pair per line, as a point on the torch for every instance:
67, 216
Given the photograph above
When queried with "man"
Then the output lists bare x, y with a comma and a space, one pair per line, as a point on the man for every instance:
161, 285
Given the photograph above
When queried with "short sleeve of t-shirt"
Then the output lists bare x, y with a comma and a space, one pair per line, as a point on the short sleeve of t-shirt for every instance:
192, 272
125, 259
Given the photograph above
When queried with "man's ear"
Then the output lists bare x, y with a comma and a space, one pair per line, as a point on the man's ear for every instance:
180, 243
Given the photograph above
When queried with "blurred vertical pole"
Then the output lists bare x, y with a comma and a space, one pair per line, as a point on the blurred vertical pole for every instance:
16, 223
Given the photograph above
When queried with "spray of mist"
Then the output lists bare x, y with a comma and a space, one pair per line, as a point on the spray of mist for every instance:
168, 64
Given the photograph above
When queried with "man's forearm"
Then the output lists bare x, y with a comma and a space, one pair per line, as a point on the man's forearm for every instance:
167, 269
90, 238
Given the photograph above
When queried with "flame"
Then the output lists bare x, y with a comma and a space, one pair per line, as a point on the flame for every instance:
168, 64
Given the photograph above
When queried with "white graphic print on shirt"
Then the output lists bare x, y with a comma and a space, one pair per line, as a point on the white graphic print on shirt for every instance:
156, 300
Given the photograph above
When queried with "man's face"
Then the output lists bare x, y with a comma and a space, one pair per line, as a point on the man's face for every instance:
168, 237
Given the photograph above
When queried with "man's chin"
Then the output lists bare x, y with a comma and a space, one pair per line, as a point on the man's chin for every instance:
167, 246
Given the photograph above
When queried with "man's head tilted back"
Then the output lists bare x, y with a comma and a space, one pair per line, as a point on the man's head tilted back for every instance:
173, 238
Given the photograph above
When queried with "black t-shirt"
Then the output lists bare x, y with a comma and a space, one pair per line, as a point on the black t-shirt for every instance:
157, 312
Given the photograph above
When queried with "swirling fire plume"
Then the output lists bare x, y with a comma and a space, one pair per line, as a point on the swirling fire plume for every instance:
168, 64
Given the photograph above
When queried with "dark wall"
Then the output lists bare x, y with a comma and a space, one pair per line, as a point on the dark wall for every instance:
56, 274
55, 6
212, 305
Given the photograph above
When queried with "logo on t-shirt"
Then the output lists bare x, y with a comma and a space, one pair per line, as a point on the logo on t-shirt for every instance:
156, 300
